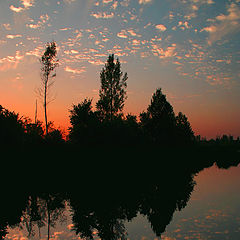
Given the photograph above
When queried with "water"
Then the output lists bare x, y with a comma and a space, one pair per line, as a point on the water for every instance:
210, 209
213, 211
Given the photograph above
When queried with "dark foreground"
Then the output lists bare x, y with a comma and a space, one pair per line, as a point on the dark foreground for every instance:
104, 186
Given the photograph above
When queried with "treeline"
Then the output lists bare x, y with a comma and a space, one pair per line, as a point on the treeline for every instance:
107, 125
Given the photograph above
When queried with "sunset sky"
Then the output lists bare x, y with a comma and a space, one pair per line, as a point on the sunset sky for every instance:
189, 48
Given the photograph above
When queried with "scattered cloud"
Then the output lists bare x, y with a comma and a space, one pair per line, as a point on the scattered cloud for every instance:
183, 25
10, 62
115, 4
210, 29
194, 6
144, 1
133, 33
75, 70
37, 52
10, 36
161, 53
161, 27
103, 15
96, 62
26, 4
122, 34
69, 1
135, 42
7, 26
106, 1
224, 24
42, 20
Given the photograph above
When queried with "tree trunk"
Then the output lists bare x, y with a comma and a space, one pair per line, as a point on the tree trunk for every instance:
45, 104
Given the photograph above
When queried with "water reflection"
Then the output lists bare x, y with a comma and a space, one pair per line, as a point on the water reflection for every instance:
106, 197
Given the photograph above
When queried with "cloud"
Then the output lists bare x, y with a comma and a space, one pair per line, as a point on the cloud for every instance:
224, 25
10, 36
161, 53
10, 62
133, 33
69, 1
26, 5
107, 1
115, 4
183, 25
161, 27
210, 29
15, 9
42, 20
96, 62
144, 1
75, 70
194, 6
37, 52
122, 34
103, 15
7, 26
135, 42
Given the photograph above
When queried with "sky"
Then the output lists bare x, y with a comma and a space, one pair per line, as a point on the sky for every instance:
189, 48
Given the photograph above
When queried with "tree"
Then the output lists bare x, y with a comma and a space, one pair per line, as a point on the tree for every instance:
158, 122
11, 128
49, 62
184, 129
113, 89
84, 123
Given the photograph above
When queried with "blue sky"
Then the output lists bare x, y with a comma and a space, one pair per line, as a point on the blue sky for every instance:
189, 48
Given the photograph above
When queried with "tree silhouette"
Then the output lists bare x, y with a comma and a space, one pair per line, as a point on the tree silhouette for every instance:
12, 130
159, 121
113, 89
184, 130
84, 123
49, 62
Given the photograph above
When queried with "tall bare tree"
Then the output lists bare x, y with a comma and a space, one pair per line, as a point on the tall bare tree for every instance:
49, 62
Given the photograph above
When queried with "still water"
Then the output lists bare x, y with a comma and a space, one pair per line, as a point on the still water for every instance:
211, 212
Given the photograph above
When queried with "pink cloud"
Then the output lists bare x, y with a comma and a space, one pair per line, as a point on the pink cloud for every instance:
74, 70
161, 27
10, 36
26, 5
10, 62
122, 34
103, 15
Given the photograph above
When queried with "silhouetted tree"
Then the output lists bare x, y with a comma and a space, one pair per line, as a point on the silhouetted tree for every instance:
54, 137
133, 133
159, 121
12, 130
49, 62
34, 132
184, 130
113, 89
84, 123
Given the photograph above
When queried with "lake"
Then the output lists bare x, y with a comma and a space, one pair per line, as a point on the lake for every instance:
200, 203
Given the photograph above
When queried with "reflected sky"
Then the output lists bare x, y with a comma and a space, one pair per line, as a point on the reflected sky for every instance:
212, 213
